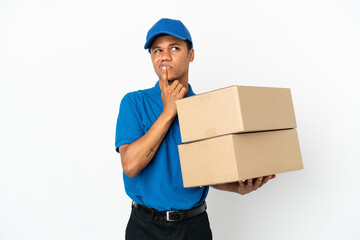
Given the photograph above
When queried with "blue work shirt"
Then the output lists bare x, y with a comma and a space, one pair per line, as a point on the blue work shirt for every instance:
159, 185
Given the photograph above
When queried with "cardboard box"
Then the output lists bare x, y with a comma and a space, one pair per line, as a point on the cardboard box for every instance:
237, 157
233, 110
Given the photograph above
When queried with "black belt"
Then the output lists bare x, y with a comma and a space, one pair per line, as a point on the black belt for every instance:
172, 216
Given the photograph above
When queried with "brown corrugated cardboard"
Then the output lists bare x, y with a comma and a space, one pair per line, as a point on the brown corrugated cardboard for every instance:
233, 110
241, 156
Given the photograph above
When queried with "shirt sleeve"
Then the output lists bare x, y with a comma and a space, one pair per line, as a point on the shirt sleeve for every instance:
128, 126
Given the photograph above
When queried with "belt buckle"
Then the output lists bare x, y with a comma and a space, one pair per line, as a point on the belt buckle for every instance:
169, 219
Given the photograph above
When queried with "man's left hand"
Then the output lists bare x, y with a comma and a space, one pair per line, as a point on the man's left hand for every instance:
244, 187
247, 186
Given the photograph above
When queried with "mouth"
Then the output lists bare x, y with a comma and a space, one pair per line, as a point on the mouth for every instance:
163, 67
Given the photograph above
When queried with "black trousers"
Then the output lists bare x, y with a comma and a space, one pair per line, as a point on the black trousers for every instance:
145, 227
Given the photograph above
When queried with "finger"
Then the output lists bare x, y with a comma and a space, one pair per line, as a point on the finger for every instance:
266, 179
178, 88
249, 184
173, 86
258, 182
241, 183
241, 189
183, 92
164, 81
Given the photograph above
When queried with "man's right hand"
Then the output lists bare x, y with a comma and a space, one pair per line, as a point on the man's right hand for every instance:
170, 93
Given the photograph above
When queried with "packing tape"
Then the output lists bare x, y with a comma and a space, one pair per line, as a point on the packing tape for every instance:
211, 132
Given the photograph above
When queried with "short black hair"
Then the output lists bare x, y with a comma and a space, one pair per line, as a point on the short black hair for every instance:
188, 44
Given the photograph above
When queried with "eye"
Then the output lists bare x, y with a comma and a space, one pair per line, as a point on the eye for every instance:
156, 50
174, 48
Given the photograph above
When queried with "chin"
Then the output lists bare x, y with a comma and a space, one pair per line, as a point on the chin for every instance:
171, 79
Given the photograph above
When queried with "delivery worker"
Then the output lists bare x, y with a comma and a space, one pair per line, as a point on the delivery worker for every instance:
147, 136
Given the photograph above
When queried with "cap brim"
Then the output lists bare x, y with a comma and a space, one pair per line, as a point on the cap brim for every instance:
152, 38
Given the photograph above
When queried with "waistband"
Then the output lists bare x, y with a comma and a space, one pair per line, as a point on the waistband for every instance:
172, 216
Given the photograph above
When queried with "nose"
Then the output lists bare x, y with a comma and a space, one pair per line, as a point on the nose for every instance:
165, 56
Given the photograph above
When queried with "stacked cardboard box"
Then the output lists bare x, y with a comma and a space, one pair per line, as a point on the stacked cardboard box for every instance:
237, 133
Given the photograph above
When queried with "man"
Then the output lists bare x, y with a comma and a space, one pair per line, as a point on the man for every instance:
147, 135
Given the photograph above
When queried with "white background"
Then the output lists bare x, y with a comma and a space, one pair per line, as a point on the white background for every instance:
65, 65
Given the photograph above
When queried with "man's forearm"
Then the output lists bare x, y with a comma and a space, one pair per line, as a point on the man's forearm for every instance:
137, 155
230, 187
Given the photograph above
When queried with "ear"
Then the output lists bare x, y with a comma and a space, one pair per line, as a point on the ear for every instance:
192, 55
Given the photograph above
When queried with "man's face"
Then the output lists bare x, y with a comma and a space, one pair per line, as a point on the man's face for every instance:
172, 53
